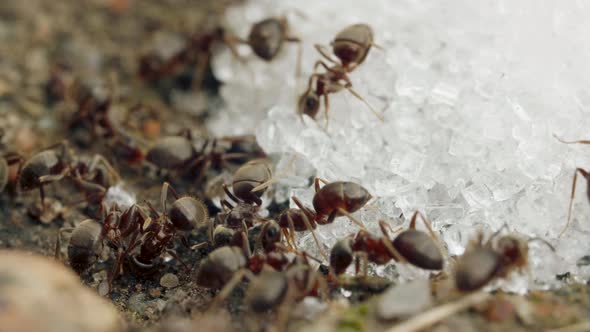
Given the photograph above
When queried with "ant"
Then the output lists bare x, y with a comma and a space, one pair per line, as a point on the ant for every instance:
351, 46
182, 153
246, 179
584, 173
410, 246
483, 262
335, 199
56, 162
271, 287
265, 38
152, 235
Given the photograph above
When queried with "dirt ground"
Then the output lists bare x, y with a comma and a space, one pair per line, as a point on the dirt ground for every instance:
101, 41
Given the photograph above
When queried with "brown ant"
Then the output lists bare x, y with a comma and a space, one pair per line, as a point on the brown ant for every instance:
249, 177
410, 246
182, 153
335, 199
585, 174
56, 162
265, 38
483, 262
351, 46
272, 288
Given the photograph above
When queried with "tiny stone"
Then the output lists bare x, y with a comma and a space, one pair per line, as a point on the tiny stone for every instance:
155, 292
404, 300
103, 288
169, 280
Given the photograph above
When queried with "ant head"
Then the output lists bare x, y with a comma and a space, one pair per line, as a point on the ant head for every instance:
309, 104
513, 249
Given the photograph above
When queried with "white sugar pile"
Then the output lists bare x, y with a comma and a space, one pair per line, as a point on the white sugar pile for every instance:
472, 93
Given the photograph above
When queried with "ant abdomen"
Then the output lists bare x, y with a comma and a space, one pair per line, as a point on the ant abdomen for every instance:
419, 249
340, 195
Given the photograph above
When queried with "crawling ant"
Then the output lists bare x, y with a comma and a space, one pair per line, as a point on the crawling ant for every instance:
244, 214
335, 199
266, 39
182, 153
274, 288
483, 262
351, 46
585, 174
56, 162
248, 177
410, 246
155, 238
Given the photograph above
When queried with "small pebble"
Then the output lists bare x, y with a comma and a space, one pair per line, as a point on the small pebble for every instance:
169, 280
103, 288
155, 292
39, 294
404, 300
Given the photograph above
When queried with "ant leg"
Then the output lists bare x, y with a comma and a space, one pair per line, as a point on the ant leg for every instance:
353, 219
310, 228
571, 142
229, 194
389, 245
542, 241
573, 194
97, 158
225, 204
359, 97
310, 214
246, 245
230, 285
292, 231
326, 108
116, 268
322, 50
199, 245
363, 257
231, 40
174, 254
294, 39
164, 195
287, 237
439, 242
316, 182
57, 255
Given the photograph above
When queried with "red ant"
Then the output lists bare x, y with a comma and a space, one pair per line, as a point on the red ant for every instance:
57, 162
266, 39
183, 153
410, 246
485, 261
336, 199
351, 46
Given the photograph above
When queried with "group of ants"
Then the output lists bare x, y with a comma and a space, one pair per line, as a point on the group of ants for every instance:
242, 243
